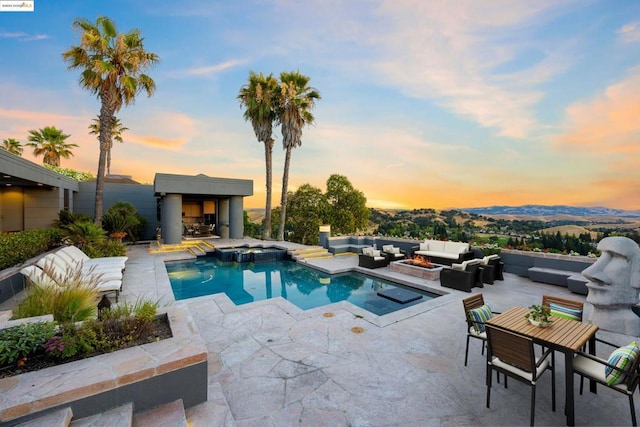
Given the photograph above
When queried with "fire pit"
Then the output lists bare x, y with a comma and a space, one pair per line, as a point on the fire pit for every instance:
418, 266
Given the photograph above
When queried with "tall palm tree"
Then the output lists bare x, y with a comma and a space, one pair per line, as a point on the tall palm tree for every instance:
50, 143
259, 97
297, 99
116, 133
12, 145
112, 66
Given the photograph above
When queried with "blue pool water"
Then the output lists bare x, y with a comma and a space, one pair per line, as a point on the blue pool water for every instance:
303, 286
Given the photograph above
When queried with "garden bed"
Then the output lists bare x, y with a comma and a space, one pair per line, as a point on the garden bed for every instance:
160, 330
147, 375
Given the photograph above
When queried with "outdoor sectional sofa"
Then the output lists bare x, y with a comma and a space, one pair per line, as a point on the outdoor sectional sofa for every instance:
441, 252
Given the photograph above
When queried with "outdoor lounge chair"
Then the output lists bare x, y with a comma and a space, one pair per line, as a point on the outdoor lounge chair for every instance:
45, 277
371, 258
492, 268
392, 253
78, 256
462, 276
514, 356
61, 267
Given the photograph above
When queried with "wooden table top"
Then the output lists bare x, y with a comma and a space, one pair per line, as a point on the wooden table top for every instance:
565, 333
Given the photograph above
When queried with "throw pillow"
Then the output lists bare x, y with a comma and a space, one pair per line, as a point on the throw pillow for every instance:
424, 246
367, 251
622, 358
387, 248
395, 250
479, 317
565, 312
375, 253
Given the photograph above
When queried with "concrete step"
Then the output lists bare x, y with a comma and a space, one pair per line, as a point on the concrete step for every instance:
5, 315
121, 416
59, 418
168, 415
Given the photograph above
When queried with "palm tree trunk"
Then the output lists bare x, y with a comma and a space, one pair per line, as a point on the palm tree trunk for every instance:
268, 155
106, 121
283, 198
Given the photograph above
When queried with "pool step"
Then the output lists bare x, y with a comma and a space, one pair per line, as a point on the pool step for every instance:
310, 252
195, 247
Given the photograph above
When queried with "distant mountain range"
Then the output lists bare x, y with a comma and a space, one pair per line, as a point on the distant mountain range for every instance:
542, 210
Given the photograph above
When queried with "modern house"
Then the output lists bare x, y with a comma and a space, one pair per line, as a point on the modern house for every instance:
31, 196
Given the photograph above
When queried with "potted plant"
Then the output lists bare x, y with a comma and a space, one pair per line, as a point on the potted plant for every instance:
538, 315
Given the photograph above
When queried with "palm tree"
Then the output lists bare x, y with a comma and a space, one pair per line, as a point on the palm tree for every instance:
297, 98
259, 97
116, 133
50, 144
112, 67
12, 145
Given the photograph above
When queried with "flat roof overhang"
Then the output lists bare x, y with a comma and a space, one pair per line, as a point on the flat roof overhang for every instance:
18, 172
201, 185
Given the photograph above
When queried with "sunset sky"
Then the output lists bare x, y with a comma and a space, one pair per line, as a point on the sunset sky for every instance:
438, 104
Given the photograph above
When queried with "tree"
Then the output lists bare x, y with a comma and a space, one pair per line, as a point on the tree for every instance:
112, 66
50, 144
12, 145
297, 99
259, 97
305, 213
347, 207
116, 133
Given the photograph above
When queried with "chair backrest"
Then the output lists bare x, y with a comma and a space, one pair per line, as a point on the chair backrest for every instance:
75, 253
578, 306
474, 301
511, 348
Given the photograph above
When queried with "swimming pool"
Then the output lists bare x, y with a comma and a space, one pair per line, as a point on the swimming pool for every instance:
303, 286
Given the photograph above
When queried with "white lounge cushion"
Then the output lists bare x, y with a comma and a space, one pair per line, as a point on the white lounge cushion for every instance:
387, 248
424, 246
523, 374
37, 276
367, 251
80, 256
61, 268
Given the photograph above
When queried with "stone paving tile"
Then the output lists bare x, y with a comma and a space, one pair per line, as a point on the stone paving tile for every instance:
272, 364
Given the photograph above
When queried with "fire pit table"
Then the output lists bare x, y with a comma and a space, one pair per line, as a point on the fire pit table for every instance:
427, 273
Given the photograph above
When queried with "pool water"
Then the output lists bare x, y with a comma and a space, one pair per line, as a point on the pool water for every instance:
303, 286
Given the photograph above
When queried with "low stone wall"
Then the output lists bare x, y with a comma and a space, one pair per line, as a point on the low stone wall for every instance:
148, 375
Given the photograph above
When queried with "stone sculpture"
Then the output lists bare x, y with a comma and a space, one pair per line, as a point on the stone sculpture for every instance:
614, 284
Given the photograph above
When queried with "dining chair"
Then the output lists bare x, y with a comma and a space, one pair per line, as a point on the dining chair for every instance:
476, 313
514, 356
563, 307
620, 372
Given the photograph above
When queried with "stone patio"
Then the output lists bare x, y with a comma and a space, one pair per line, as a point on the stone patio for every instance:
272, 364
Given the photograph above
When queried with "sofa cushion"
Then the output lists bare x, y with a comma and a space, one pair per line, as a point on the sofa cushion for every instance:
424, 246
375, 253
455, 247
387, 248
395, 250
436, 246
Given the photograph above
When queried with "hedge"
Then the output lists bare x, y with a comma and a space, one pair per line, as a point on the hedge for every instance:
16, 248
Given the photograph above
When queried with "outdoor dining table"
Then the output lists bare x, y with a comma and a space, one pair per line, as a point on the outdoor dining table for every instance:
564, 335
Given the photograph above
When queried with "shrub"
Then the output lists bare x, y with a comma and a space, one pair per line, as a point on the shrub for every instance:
83, 233
23, 341
107, 248
129, 322
16, 248
75, 300
122, 217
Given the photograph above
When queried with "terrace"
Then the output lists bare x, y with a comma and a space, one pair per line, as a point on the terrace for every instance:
270, 363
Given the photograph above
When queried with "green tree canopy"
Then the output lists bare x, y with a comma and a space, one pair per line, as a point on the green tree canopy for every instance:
50, 143
12, 145
347, 207
306, 208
